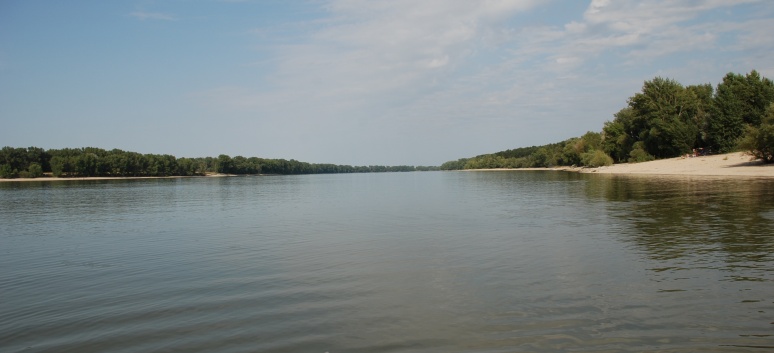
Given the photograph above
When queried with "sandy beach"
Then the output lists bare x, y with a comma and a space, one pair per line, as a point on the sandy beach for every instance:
731, 164
736, 164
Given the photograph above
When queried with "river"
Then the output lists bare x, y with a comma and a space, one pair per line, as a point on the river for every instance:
509, 261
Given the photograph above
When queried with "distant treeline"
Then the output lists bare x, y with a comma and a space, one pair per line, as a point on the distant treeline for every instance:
33, 162
665, 120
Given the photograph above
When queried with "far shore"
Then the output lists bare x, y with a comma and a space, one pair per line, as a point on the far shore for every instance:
113, 178
738, 164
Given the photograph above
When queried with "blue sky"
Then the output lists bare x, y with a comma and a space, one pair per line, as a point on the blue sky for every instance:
352, 82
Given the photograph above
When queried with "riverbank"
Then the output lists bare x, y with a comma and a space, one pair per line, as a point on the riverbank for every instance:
730, 164
111, 178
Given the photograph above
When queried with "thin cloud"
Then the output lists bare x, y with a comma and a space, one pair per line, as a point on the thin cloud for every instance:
375, 48
486, 68
142, 16
639, 31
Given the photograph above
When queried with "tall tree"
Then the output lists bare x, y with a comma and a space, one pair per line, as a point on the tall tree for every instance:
619, 135
740, 101
759, 141
665, 117
225, 164
704, 95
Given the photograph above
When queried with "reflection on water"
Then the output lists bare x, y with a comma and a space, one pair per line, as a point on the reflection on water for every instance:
722, 223
407, 262
699, 234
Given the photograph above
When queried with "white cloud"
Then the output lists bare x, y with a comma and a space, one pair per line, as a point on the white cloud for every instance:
438, 62
639, 31
575, 27
377, 52
484, 67
396, 40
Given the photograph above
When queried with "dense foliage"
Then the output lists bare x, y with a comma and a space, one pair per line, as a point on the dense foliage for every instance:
33, 162
740, 102
759, 141
575, 151
664, 120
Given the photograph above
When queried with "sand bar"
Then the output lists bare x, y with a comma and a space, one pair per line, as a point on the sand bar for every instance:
724, 165
731, 164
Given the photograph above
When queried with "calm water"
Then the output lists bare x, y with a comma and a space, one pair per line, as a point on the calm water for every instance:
398, 262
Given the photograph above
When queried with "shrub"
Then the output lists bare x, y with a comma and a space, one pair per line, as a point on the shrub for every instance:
6, 172
759, 141
35, 170
596, 158
638, 154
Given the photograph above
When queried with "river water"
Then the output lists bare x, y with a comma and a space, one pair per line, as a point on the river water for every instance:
396, 262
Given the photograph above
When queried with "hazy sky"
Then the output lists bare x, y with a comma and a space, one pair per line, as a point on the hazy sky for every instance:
391, 82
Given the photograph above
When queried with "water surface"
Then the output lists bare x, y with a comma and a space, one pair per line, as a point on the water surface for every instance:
395, 262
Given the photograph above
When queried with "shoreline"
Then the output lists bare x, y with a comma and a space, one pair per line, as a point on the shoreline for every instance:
736, 164
115, 178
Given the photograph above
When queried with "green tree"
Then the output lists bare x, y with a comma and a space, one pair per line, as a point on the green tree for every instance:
6, 172
541, 158
638, 153
571, 152
225, 164
35, 170
596, 158
491, 161
15, 158
704, 95
454, 165
591, 141
664, 117
740, 101
759, 141
186, 167
86, 165
619, 135
61, 165
39, 156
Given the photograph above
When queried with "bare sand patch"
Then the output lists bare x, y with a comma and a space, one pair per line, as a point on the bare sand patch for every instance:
731, 164
723, 165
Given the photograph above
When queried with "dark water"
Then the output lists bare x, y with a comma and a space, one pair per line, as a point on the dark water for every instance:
406, 262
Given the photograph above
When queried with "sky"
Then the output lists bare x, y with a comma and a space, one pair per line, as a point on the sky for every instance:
398, 82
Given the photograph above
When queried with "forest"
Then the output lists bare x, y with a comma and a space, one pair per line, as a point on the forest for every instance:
34, 162
664, 120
